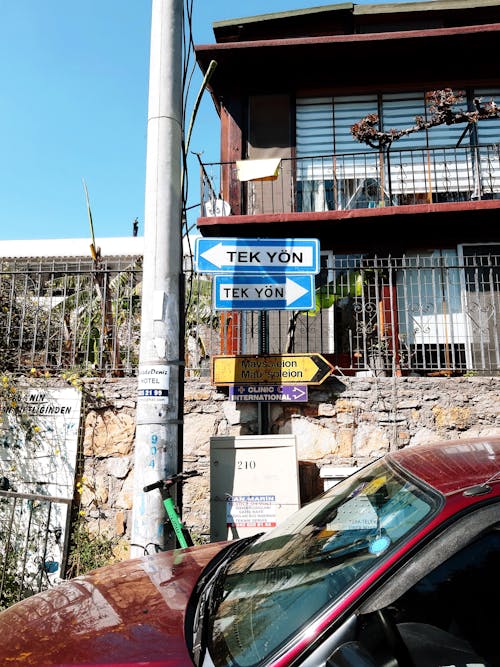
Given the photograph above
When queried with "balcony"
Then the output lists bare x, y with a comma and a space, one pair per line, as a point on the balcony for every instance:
333, 185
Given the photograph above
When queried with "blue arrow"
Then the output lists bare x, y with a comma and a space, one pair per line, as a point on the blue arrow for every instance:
234, 255
245, 292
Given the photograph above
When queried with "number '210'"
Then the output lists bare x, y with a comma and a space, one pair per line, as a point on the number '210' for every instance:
245, 465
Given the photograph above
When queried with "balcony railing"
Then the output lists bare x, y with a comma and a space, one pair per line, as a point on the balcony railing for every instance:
368, 179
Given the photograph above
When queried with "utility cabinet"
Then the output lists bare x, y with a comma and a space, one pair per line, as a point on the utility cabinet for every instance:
254, 484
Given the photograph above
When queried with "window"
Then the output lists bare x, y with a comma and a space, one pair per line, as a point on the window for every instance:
449, 612
432, 324
334, 171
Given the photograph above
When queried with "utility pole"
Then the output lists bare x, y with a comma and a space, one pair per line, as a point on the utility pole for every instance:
158, 443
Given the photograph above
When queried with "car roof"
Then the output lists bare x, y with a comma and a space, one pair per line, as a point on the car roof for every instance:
453, 465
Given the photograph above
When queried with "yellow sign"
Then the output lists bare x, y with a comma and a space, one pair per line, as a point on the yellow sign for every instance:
270, 369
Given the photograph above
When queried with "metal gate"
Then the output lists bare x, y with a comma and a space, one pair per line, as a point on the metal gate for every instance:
34, 544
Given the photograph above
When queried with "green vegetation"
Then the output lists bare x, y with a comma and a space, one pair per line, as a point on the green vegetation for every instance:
88, 552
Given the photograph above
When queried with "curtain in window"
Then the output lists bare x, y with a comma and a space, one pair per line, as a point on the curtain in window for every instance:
432, 322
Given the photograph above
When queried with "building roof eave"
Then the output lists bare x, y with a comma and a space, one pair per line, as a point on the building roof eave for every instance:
255, 65
290, 42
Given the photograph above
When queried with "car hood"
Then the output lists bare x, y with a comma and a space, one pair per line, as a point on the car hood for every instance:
128, 613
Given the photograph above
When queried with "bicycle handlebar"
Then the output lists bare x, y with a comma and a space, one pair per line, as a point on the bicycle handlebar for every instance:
170, 481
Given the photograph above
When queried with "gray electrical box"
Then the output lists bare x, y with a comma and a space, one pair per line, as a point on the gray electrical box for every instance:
254, 484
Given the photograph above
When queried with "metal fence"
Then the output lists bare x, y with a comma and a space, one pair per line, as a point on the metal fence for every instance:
362, 179
428, 314
34, 544
423, 314
415, 314
70, 314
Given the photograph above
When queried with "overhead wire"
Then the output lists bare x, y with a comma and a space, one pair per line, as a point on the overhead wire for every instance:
186, 57
188, 70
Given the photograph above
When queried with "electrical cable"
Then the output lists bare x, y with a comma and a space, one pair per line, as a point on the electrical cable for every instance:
188, 50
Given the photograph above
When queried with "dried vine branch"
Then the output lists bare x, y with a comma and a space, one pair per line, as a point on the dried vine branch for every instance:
440, 103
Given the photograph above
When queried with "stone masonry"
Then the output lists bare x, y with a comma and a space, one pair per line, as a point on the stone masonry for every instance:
348, 421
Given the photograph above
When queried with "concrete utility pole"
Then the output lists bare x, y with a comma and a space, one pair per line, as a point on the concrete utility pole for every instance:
161, 370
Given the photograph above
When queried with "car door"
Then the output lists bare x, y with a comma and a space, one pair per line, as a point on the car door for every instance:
435, 608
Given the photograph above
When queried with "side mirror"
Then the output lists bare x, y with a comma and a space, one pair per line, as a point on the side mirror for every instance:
350, 654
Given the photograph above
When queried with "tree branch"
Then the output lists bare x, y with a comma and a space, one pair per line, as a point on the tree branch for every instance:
441, 112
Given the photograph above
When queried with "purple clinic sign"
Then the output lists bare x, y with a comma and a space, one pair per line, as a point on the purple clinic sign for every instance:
269, 393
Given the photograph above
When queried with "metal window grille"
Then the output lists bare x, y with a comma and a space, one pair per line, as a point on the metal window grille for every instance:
435, 313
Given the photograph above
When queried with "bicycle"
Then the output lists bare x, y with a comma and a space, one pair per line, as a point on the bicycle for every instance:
182, 534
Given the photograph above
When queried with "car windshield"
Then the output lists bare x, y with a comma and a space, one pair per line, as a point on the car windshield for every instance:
278, 584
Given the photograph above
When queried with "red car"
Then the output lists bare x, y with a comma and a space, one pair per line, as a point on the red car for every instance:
399, 564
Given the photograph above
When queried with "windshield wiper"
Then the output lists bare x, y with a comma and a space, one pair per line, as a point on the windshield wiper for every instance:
211, 586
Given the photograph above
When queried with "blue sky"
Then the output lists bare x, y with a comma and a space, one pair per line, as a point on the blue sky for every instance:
74, 87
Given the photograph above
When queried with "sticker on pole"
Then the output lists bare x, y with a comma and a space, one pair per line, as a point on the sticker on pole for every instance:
153, 383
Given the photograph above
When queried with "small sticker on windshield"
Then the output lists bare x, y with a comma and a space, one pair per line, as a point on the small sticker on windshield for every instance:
379, 545
356, 514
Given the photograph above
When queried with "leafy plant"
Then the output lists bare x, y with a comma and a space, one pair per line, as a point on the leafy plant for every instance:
88, 551
9, 580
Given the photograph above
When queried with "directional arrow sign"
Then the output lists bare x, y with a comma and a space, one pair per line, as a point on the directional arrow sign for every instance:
270, 369
264, 292
269, 393
234, 255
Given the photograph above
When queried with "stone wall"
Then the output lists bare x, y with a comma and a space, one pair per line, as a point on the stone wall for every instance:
347, 421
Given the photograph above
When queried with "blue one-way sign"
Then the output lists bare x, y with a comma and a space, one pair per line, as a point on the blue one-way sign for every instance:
247, 292
237, 255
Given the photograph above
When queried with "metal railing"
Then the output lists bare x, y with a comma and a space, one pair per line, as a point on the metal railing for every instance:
57, 314
411, 314
362, 179
435, 314
34, 544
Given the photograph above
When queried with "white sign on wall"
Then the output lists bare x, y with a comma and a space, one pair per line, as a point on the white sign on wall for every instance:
38, 456
254, 484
